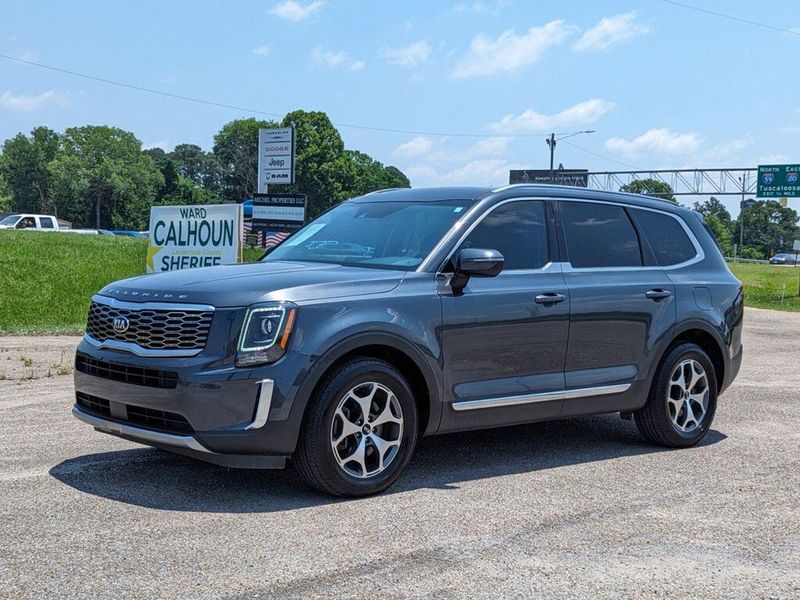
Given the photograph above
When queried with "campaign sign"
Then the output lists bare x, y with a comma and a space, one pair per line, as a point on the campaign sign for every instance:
186, 237
278, 212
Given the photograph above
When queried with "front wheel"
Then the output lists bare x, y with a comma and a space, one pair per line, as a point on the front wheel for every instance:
682, 400
360, 430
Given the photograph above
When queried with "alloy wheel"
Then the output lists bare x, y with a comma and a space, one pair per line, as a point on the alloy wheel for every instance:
687, 395
367, 430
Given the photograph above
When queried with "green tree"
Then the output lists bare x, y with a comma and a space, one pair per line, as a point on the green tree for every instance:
650, 187
5, 192
713, 207
203, 168
721, 233
370, 175
24, 168
768, 227
236, 148
322, 170
101, 177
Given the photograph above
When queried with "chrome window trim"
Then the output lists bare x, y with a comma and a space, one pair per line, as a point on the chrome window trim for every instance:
699, 256
425, 264
114, 303
502, 401
480, 219
138, 350
139, 433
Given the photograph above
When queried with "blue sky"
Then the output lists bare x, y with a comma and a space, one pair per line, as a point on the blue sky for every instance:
663, 86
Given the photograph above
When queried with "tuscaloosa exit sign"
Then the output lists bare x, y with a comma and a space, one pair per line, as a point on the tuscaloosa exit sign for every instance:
776, 181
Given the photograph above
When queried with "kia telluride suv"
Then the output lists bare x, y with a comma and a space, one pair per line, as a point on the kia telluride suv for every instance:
411, 312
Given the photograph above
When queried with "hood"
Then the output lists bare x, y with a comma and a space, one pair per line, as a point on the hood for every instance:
244, 284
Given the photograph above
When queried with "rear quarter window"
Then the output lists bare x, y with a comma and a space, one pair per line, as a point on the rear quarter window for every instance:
668, 239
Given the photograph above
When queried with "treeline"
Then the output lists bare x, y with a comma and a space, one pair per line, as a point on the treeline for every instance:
99, 176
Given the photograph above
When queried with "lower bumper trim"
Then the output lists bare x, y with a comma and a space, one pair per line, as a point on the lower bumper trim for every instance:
147, 436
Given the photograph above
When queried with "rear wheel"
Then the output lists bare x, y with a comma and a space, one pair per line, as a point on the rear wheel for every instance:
360, 430
682, 400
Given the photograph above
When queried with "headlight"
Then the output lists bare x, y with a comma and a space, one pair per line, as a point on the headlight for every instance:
265, 333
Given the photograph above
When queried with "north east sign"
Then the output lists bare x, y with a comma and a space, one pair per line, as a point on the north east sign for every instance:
275, 157
778, 181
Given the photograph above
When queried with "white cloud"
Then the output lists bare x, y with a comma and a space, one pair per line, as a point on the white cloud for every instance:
296, 11
611, 31
481, 7
772, 159
530, 121
412, 55
661, 140
421, 175
261, 50
158, 144
510, 52
730, 149
414, 147
478, 172
336, 60
24, 103
489, 146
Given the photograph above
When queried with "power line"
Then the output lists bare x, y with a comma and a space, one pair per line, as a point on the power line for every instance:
731, 17
582, 149
256, 111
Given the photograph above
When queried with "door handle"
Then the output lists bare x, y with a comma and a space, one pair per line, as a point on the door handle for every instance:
658, 294
550, 298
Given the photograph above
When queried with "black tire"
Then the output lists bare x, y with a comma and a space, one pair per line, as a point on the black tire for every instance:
654, 419
314, 457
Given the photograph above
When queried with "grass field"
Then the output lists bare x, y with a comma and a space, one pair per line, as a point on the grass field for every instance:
47, 279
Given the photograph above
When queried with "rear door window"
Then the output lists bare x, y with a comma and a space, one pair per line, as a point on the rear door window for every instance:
667, 237
46, 222
599, 235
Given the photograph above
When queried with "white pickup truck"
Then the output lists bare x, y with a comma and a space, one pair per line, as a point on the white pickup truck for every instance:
25, 221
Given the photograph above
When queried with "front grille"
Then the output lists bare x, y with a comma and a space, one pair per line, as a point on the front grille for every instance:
126, 373
93, 404
137, 415
151, 329
158, 419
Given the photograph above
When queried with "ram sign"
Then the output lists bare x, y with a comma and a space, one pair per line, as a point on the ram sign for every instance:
275, 157
185, 237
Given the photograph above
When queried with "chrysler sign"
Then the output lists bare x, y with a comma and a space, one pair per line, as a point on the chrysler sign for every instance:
275, 157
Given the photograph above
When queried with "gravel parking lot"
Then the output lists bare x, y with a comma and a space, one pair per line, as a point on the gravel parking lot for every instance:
572, 509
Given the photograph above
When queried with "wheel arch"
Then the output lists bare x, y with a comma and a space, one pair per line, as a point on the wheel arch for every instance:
401, 354
701, 334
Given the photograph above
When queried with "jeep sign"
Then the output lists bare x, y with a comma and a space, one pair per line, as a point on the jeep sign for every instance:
275, 157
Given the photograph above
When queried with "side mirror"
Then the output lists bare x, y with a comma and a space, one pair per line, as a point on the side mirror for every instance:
475, 262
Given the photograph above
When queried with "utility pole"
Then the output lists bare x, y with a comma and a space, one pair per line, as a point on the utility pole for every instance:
743, 179
551, 142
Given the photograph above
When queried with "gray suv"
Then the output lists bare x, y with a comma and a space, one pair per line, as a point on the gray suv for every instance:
406, 312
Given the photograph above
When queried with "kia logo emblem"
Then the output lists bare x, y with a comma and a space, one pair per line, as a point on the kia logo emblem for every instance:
121, 324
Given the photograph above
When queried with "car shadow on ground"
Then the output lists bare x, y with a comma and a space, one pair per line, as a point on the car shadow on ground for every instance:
156, 479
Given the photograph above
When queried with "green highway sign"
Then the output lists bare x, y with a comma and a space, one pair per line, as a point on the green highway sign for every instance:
777, 181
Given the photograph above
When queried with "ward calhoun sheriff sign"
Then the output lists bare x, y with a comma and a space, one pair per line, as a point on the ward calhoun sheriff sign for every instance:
185, 237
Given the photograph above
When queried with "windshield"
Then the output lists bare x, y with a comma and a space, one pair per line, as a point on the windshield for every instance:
389, 235
10, 220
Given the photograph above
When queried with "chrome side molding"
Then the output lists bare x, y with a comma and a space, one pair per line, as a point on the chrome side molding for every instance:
540, 397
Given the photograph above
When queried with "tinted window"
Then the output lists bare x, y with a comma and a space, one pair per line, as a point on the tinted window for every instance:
667, 238
46, 222
517, 230
599, 235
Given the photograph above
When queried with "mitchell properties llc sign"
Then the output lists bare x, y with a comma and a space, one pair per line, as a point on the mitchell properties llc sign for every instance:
185, 237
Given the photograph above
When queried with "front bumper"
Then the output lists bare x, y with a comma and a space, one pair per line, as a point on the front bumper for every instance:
225, 415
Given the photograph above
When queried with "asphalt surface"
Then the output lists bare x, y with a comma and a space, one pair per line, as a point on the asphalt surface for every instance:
572, 509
